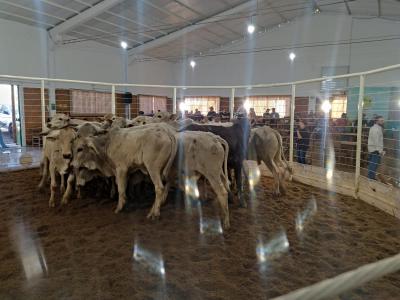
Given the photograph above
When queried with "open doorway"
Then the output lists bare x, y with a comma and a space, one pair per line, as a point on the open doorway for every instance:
9, 115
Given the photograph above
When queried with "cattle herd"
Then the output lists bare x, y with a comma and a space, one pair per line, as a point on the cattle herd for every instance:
159, 149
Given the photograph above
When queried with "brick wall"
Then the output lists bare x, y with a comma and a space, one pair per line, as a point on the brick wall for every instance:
33, 112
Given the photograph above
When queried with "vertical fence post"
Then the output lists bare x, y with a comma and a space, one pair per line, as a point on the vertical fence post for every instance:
359, 134
174, 102
113, 99
232, 103
43, 105
292, 105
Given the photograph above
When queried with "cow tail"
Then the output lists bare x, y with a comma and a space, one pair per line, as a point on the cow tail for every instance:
279, 137
174, 149
226, 154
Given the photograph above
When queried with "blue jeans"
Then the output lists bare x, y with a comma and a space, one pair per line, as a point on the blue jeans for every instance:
2, 141
374, 159
301, 155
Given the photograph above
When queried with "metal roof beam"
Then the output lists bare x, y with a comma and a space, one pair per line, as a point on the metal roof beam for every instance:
82, 17
185, 30
347, 7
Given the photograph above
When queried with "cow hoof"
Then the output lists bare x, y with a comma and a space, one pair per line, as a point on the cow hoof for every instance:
40, 188
64, 201
117, 210
153, 216
243, 204
52, 204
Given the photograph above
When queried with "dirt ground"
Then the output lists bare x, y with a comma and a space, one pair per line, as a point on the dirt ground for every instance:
85, 251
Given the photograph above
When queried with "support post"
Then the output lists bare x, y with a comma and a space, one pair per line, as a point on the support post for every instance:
359, 134
292, 106
113, 99
174, 102
43, 105
232, 103
14, 123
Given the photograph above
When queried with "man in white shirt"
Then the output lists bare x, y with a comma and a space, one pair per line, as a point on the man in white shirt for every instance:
375, 146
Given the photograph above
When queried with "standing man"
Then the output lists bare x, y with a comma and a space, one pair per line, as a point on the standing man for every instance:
375, 146
302, 137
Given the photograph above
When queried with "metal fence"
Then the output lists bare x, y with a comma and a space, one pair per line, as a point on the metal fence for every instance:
337, 154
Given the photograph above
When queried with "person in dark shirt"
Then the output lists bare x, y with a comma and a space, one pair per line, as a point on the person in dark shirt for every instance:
302, 137
211, 114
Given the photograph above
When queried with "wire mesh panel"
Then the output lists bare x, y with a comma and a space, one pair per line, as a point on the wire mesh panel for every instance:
380, 156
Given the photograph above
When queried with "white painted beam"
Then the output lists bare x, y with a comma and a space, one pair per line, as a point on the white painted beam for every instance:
176, 34
82, 17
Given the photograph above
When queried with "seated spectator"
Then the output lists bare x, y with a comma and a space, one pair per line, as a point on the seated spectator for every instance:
211, 114
341, 123
274, 117
274, 114
197, 112
267, 114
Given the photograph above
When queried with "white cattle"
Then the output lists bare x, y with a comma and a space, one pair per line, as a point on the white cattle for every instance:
265, 145
57, 155
150, 149
204, 154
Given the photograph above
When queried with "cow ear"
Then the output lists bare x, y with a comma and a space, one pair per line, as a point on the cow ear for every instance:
52, 135
173, 117
92, 145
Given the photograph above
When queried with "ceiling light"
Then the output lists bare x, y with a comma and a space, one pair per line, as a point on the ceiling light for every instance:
124, 45
251, 28
192, 63
317, 10
292, 56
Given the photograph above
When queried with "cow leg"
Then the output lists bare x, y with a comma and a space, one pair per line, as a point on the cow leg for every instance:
222, 198
113, 191
62, 186
275, 174
121, 178
53, 185
239, 184
166, 190
68, 192
159, 189
45, 173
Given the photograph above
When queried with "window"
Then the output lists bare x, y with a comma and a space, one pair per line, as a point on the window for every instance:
261, 103
151, 104
339, 106
202, 104
90, 103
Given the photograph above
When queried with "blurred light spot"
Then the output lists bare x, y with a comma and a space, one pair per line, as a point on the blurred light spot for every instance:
246, 105
304, 217
254, 175
326, 106
182, 106
149, 260
278, 245
192, 63
30, 252
292, 56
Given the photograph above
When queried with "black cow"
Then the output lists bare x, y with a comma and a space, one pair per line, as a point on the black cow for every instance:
237, 137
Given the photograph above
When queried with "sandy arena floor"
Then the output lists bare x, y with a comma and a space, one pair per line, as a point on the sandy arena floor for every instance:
85, 251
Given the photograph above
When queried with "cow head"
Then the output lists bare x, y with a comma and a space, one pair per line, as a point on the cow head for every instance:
89, 153
58, 121
66, 138
164, 116
141, 120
